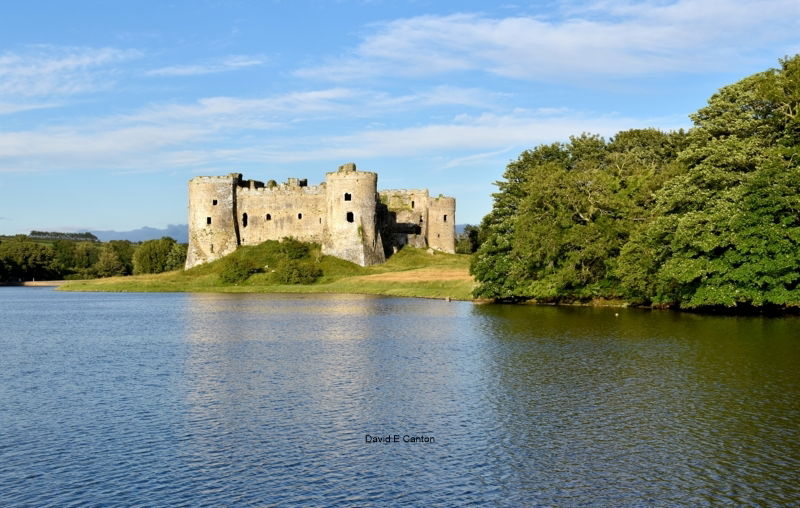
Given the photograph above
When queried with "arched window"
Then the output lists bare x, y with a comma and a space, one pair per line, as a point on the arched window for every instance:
244, 220
350, 217
269, 217
412, 204
299, 215
347, 196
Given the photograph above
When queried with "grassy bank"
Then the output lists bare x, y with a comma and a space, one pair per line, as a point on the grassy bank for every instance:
410, 272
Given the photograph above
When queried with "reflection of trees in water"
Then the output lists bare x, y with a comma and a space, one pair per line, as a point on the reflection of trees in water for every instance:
646, 403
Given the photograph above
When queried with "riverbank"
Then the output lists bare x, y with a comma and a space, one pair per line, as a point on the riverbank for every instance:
410, 272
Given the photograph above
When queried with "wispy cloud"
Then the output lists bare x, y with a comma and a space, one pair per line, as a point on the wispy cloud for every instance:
601, 38
52, 71
230, 63
225, 131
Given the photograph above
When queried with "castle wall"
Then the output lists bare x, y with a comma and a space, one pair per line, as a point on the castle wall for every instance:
442, 224
405, 220
212, 231
274, 213
351, 211
345, 214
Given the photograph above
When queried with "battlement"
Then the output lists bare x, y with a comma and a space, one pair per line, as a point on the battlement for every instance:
345, 214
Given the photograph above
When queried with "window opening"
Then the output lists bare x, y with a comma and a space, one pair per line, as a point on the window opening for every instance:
350, 217
214, 202
412, 204
269, 217
445, 218
244, 220
347, 196
212, 248
208, 220
299, 215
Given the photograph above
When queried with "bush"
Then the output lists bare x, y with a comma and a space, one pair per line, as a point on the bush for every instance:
235, 270
294, 271
293, 249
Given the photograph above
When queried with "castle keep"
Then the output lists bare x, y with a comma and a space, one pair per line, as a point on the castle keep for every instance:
345, 214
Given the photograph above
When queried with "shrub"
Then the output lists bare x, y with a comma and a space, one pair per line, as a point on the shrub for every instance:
295, 271
293, 249
235, 270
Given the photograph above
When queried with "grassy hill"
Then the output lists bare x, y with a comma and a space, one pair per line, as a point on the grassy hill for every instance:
410, 272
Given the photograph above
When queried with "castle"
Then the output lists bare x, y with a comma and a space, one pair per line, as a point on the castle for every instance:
345, 214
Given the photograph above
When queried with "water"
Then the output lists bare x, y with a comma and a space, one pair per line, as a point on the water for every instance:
239, 400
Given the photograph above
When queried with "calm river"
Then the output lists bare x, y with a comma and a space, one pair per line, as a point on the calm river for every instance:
240, 400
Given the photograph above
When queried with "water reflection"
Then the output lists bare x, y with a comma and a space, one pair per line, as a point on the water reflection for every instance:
180, 399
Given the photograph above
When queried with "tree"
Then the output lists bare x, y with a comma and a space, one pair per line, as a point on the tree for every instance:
467, 242
152, 256
108, 263
727, 232
176, 259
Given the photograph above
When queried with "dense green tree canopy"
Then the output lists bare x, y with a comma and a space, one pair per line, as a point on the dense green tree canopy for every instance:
705, 218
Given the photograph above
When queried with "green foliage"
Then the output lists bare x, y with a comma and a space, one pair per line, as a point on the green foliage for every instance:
290, 248
22, 260
727, 233
153, 256
467, 242
705, 218
236, 270
296, 271
176, 259
108, 263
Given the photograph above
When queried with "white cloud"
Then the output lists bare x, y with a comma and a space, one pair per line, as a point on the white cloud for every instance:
230, 63
604, 38
52, 71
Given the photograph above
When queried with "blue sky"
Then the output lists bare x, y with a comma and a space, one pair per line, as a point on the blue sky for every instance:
107, 109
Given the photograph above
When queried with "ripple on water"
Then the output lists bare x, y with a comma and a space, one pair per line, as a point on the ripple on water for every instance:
252, 400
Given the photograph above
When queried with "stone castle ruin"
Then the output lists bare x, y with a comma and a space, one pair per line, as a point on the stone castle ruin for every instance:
345, 214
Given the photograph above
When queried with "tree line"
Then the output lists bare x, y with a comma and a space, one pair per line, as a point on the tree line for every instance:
700, 218
22, 258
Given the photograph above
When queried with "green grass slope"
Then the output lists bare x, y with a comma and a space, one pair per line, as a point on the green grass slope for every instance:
262, 269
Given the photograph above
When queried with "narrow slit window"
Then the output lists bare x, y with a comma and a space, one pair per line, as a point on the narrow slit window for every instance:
214, 202
350, 217
269, 217
347, 196
212, 248
244, 220
320, 220
208, 220
445, 218
299, 215
412, 204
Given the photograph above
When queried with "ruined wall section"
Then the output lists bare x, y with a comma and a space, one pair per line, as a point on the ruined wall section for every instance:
351, 231
213, 232
273, 212
442, 224
405, 218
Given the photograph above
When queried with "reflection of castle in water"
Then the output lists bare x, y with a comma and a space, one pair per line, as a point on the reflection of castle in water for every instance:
345, 214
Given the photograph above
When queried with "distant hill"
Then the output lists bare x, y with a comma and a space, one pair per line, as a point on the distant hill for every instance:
180, 232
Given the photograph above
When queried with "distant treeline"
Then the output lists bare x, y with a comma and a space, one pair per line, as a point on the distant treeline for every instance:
27, 257
704, 218
55, 235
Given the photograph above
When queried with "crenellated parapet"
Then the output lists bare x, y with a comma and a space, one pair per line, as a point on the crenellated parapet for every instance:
345, 214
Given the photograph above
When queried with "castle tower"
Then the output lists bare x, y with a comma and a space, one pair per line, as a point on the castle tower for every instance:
213, 229
442, 224
351, 230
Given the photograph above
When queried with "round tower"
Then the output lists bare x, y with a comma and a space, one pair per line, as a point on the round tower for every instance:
442, 224
213, 230
351, 230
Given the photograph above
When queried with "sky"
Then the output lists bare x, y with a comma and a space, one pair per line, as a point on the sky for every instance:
107, 109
